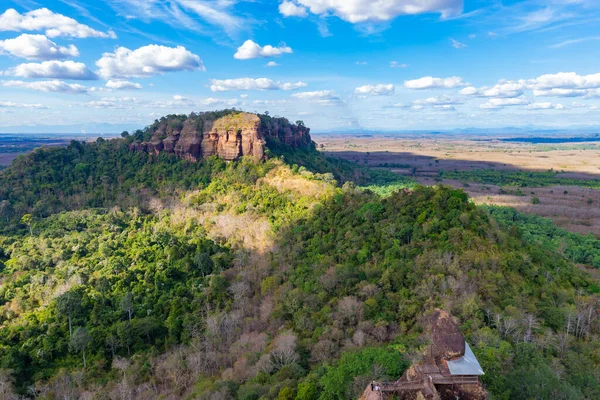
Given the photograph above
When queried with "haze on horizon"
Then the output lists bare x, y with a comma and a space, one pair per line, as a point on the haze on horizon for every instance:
335, 64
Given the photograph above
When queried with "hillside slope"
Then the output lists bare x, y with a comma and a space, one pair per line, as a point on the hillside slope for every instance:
262, 280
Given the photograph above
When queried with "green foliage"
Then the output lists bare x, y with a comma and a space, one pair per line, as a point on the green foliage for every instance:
519, 178
338, 378
259, 280
543, 233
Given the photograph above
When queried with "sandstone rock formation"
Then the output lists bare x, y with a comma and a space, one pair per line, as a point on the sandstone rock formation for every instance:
229, 136
437, 376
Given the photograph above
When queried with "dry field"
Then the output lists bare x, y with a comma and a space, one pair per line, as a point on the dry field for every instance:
6, 158
448, 153
427, 155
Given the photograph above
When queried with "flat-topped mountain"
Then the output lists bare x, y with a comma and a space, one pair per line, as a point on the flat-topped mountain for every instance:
228, 136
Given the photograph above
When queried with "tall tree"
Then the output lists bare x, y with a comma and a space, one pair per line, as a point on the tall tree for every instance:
69, 304
127, 304
80, 341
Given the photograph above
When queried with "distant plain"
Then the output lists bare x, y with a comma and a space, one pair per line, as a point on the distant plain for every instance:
426, 158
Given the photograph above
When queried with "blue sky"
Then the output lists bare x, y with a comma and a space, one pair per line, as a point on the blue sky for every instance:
335, 64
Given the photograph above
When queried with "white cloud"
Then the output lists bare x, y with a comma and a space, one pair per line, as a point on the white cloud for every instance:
496, 103
48, 86
271, 64
244, 96
429, 82
562, 84
53, 70
438, 101
321, 97
185, 14
356, 11
250, 50
289, 9
545, 106
122, 85
456, 44
253, 84
147, 61
52, 23
36, 47
113, 102
210, 101
396, 64
574, 41
10, 104
376, 90
558, 92
361, 63
502, 89
569, 80
445, 107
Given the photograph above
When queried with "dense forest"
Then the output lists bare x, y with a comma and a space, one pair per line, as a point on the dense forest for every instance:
519, 178
130, 276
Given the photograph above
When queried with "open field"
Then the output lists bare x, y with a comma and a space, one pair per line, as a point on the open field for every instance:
12, 146
571, 206
7, 158
449, 153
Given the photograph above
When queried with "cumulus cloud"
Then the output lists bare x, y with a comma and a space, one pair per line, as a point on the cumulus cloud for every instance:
356, 11
289, 9
36, 47
48, 86
562, 84
52, 23
375, 90
271, 64
496, 103
117, 84
250, 50
429, 82
10, 104
566, 80
559, 92
321, 97
53, 70
253, 84
502, 89
545, 106
147, 61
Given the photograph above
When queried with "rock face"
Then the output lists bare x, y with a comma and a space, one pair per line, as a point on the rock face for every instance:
431, 378
230, 137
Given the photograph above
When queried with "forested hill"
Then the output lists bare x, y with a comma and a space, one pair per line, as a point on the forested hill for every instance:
267, 280
105, 173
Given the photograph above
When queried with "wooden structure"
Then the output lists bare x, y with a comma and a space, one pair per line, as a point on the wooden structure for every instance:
449, 369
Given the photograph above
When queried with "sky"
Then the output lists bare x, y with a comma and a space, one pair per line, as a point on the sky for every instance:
334, 64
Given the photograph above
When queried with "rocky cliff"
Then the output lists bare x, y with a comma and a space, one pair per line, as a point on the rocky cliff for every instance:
228, 135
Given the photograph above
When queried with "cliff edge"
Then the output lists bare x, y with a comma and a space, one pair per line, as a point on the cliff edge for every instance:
228, 135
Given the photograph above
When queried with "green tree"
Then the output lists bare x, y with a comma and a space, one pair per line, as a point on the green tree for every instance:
27, 219
69, 304
80, 340
127, 304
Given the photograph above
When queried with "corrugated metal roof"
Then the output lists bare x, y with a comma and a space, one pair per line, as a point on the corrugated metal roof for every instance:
465, 365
